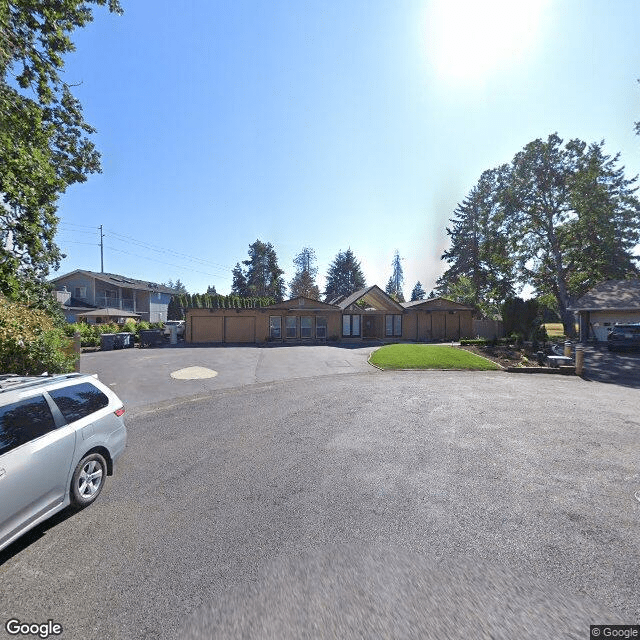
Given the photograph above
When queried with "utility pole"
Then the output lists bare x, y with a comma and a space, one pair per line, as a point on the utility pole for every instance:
101, 251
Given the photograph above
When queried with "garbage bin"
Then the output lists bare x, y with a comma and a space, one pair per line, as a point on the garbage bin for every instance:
107, 341
123, 340
151, 338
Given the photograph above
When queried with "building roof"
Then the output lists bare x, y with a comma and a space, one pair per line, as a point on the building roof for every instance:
439, 304
120, 281
614, 295
109, 312
303, 303
371, 294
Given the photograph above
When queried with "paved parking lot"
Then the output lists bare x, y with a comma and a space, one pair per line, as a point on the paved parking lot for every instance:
143, 376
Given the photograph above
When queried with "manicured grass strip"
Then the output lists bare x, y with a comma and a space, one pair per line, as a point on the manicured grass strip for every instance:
428, 356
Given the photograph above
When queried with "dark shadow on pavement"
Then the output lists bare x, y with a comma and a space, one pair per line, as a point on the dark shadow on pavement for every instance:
35, 534
613, 367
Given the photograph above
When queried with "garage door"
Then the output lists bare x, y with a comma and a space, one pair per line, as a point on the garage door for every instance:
239, 329
206, 329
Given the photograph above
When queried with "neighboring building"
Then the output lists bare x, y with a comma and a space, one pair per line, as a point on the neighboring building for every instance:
91, 292
440, 319
611, 302
367, 314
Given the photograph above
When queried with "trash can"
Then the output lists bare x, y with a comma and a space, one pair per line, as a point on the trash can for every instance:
151, 338
107, 341
123, 340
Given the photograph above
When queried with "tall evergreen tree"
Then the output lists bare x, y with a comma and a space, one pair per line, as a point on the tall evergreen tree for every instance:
418, 293
394, 286
304, 280
262, 276
344, 276
239, 283
480, 248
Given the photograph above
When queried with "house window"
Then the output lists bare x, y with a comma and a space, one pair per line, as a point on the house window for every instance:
290, 327
108, 293
393, 325
306, 327
321, 327
80, 292
350, 325
275, 327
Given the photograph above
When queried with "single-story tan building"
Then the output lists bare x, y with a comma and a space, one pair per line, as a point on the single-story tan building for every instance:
610, 302
367, 314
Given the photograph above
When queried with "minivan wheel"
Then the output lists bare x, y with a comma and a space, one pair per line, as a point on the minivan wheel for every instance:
88, 480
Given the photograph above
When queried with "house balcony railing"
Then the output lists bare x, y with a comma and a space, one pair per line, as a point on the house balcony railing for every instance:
125, 304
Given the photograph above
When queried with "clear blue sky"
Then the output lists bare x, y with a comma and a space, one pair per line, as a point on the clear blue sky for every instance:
326, 124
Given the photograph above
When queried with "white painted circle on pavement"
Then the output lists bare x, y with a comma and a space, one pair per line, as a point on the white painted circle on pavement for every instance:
194, 373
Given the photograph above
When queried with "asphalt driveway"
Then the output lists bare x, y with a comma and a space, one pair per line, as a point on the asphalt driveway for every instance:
144, 376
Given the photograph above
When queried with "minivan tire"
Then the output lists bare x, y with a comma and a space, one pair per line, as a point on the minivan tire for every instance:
88, 480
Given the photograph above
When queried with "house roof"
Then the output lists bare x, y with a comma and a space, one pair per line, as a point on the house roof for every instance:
119, 281
302, 303
372, 294
110, 312
436, 303
614, 295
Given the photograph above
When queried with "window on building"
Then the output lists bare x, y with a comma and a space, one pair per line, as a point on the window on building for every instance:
275, 327
80, 292
350, 325
290, 325
393, 325
321, 327
306, 327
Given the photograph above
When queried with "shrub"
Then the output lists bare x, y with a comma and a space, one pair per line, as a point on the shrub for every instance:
480, 342
30, 341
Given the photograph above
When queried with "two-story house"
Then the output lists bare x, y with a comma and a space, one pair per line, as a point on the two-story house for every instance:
109, 292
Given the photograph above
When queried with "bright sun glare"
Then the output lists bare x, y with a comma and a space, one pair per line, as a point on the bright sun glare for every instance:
467, 40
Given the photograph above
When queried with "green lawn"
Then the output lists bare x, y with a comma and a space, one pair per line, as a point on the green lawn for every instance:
428, 356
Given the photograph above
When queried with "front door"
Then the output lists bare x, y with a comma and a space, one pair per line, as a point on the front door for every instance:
369, 326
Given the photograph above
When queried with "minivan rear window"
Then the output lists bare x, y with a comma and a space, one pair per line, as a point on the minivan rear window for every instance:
79, 400
23, 421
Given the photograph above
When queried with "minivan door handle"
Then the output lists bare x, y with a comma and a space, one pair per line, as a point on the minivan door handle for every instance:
2, 472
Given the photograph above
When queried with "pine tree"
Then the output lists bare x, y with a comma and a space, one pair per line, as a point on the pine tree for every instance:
303, 282
418, 293
394, 286
344, 276
262, 277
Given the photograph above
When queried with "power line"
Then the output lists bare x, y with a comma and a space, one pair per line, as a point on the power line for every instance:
191, 269
158, 249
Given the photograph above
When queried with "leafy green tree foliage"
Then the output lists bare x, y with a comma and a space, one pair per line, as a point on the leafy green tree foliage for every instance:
30, 341
239, 285
211, 290
44, 143
175, 311
418, 292
344, 276
480, 247
394, 286
304, 280
521, 317
262, 277
573, 217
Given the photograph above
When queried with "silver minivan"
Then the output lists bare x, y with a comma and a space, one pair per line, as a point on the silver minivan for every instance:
60, 436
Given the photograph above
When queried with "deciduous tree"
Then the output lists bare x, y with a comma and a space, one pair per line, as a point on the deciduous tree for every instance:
44, 139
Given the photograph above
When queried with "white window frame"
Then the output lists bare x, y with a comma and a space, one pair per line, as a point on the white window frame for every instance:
310, 328
353, 325
273, 329
287, 327
393, 325
321, 327
80, 293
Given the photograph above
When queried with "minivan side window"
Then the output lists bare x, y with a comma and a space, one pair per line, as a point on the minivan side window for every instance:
78, 400
23, 421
